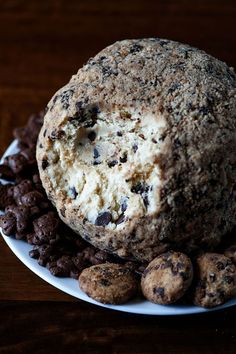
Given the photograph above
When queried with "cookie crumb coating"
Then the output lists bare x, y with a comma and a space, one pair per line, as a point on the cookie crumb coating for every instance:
109, 283
137, 151
167, 277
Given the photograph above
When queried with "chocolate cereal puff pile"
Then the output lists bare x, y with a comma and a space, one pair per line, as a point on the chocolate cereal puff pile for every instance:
203, 279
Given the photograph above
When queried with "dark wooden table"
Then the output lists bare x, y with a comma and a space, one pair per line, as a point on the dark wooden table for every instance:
42, 43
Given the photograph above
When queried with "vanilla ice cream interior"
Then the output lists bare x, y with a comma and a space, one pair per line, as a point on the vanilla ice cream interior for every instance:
114, 174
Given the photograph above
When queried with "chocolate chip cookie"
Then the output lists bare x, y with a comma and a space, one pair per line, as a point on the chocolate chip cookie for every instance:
216, 280
167, 278
137, 151
108, 283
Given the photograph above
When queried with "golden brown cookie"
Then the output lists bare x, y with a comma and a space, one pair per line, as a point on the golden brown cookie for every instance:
216, 280
108, 283
167, 278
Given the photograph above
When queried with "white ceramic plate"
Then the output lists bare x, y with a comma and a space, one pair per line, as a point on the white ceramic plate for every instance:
70, 286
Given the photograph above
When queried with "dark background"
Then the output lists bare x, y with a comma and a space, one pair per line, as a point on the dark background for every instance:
42, 43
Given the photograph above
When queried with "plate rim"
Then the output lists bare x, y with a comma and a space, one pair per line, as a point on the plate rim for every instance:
133, 307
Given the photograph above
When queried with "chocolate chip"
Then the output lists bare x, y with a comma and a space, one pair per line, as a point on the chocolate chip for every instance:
211, 295
105, 282
44, 132
79, 106
124, 204
220, 266
135, 48
120, 219
65, 97
154, 141
135, 148
103, 219
205, 110
140, 188
163, 42
93, 111
145, 200
96, 163
92, 135
57, 134
123, 159
119, 134
85, 116
212, 277
55, 99
45, 164
174, 86
177, 143
95, 153
73, 193
179, 265
159, 291
112, 163
108, 71
228, 279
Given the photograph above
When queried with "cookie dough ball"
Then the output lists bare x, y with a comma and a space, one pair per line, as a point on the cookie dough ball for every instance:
216, 280
137, 151
230, 252
167, 278
108, 283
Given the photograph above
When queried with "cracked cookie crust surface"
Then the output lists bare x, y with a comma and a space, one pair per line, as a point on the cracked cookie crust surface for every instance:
137, 151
